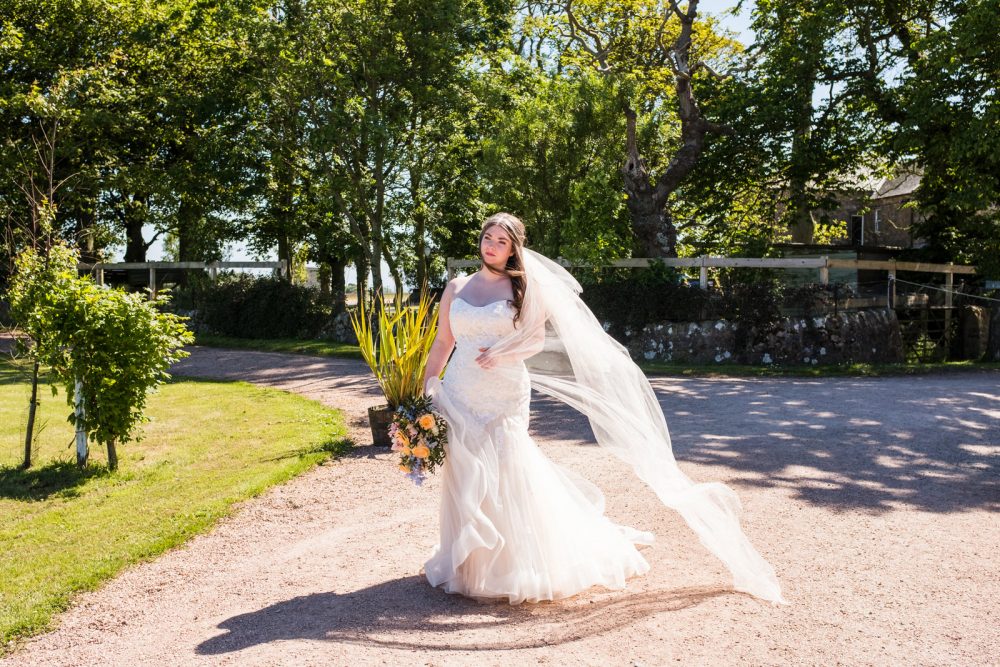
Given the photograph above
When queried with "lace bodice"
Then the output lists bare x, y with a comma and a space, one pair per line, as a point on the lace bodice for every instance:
487, 323
483, 392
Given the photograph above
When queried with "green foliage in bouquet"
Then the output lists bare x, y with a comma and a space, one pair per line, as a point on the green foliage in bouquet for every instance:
396, 345
419, 434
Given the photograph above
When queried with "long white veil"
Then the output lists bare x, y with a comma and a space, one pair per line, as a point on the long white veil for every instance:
581, 365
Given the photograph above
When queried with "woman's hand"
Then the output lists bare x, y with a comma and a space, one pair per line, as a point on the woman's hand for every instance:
485, 360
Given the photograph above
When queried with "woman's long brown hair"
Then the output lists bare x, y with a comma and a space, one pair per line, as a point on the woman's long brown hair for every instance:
514, 268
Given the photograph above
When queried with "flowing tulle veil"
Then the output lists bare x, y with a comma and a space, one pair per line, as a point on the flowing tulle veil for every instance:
570, 357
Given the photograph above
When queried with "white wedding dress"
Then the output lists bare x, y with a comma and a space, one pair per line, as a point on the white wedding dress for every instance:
513, 524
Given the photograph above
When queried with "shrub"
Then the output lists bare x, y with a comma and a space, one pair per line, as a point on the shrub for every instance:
107, 347
246, 306
629, 305
753, 299
754, 307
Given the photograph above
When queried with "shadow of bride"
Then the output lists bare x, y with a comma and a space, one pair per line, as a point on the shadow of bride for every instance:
407, 613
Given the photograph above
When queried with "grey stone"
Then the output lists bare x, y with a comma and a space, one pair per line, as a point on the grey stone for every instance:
840, 338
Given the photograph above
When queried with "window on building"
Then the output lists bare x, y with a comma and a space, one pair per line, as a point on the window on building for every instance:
857, 229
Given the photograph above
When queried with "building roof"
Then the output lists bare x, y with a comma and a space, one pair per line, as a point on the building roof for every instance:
903, 183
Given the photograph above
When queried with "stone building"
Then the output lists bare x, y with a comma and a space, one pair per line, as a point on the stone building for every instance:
873, 211
883, 219
877, 223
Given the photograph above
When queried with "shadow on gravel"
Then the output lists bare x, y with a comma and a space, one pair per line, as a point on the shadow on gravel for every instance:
289, 371
872, 444
408, 613
929, 442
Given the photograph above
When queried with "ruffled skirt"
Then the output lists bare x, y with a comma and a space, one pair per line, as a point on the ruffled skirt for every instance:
516, 526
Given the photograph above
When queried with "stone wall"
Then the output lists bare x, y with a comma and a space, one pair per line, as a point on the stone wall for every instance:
339, 329
993, 346
973, 333
854, 336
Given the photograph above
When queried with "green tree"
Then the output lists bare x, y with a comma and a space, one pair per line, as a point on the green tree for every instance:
900, 84
46, 117
396, 64
651, 47
108, 348
554, 155
951, 129
153, 111
820, 139
205, 58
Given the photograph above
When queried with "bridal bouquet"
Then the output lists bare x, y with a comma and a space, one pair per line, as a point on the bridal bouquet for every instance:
419, 434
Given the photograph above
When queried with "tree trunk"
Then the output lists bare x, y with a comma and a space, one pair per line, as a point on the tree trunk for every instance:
422, 269
285, 253
376, 271
419, 225
190, 246
283, 211
362, 287
375, 225
135, 246
397, 277
653, 224
82, 451
134, 215
29, 435
338, 285
86, 227
798, 216
654, 230
323, 278
112, 456
187, 232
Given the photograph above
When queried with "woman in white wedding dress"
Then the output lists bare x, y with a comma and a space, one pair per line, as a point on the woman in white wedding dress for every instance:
513, 524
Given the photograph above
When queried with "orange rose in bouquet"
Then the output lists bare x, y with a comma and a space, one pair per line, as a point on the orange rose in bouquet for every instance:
419, 435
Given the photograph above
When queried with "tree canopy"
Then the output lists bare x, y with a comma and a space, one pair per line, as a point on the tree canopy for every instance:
357, 132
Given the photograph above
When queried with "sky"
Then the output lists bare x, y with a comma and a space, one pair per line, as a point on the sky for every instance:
721, 9
738, 23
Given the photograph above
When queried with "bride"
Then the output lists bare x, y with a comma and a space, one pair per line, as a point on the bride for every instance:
513, 524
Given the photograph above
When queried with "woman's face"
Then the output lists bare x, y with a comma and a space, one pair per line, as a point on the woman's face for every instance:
496, 246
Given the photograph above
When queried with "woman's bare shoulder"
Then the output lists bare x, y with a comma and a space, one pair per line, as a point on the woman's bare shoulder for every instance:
456, 283
452, 287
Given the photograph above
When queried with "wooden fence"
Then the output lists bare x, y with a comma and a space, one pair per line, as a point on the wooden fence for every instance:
821, 265
211, 267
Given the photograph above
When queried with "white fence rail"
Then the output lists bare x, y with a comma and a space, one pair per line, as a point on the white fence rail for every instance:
821, 264
212, 268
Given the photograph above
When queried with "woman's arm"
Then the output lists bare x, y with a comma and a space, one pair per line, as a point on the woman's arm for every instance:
444, 341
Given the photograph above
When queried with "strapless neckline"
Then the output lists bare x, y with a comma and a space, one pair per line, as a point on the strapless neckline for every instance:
472, 305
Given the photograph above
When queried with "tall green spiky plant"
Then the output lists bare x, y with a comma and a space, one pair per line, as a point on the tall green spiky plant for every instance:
397, 349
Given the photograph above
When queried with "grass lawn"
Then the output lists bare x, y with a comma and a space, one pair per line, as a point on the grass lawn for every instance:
208, 446
318, 348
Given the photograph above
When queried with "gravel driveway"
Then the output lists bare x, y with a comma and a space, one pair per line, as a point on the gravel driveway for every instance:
876, 499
